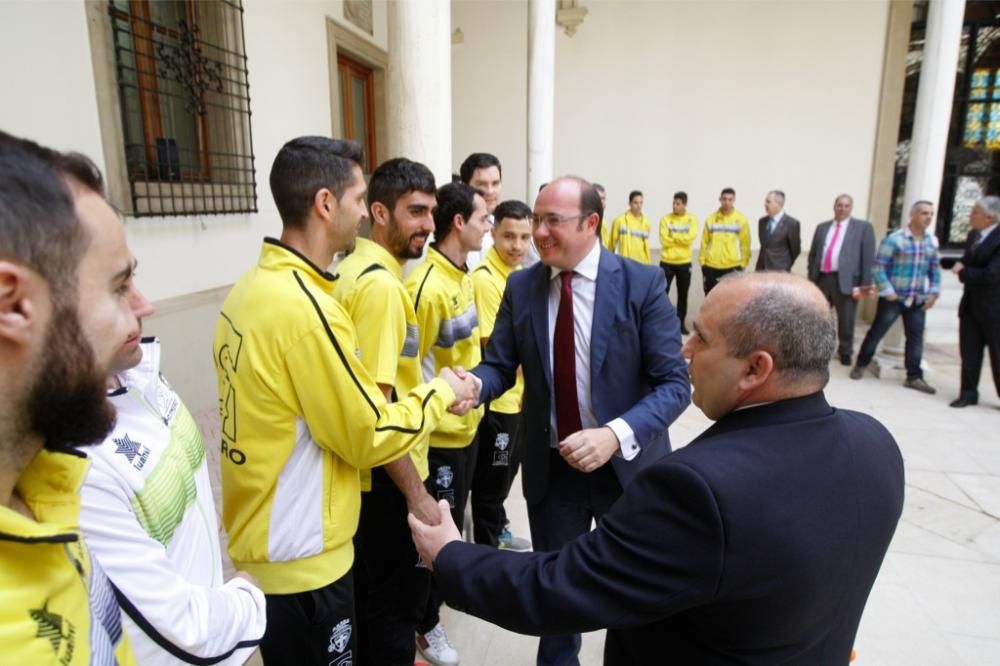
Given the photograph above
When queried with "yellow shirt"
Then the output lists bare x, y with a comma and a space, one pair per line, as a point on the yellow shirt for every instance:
677, 232
489, 280
300, 415
370, 287
725, 241
449, 334
56, 604
630, 236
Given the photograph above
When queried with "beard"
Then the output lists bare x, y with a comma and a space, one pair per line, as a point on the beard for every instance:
68, 405
402, 246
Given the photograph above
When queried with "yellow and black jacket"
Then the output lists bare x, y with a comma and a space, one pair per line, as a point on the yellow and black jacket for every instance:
300, 416
449, 334
630, 237
725, 241
489, 279
677, 232
56, 604
370, 287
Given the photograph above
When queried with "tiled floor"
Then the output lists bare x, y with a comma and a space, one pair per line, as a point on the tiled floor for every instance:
937, 599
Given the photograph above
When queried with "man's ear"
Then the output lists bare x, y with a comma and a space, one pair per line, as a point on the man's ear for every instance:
20, 291
458, 222
324, 204
379, 213
760, 367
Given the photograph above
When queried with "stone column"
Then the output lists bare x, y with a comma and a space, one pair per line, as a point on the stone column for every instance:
541, 92
418, 84
931, 123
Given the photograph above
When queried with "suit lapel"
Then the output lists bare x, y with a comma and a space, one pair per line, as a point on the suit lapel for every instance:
846, 245
540, 318
608, 293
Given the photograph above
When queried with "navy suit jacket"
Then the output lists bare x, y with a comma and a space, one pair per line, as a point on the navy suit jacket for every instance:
636, 369
758, 543
981, 279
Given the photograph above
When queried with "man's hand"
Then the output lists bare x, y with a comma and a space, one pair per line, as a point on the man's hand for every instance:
957, 267
465, 387
247, 577
931, 300
424, 507
589, 449
430, 539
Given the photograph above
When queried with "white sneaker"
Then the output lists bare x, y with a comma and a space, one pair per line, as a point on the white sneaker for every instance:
436, 648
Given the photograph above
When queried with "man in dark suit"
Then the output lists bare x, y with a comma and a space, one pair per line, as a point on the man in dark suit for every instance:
780, 242
599, 345
840, 264
757, 543
979, 310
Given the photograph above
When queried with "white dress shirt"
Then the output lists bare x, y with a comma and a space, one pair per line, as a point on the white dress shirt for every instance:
835, 259
584, 292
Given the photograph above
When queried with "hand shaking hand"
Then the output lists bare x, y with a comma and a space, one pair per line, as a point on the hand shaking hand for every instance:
465, 387
430, 539
589, 449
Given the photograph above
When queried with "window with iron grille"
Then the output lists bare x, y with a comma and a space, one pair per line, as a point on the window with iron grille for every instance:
184, 95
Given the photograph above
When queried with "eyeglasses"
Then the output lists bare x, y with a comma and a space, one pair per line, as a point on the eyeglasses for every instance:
489, 219
552, 220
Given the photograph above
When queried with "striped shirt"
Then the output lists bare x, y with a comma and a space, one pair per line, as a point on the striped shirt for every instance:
908, 267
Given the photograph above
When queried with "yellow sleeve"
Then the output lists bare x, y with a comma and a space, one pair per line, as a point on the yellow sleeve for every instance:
344, 408
706, 241
380, 322
427, 320
645, 241
745, 241
487, 300
614, 237
666, 236
687, 238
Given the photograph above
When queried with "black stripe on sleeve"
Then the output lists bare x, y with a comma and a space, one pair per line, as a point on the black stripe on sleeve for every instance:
416, 301
161, 640
354, 378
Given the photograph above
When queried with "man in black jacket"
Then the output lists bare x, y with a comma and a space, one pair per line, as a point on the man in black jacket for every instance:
758, 543
979, 310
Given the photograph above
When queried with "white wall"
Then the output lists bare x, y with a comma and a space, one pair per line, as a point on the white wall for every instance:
49, 95
489, 81
663, 96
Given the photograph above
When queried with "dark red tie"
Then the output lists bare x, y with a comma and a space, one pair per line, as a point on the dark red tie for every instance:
564, 363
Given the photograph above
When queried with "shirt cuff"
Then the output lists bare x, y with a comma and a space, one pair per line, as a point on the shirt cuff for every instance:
628, 447
479, 387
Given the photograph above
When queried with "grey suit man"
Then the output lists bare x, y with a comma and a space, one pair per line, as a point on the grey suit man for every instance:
780, 240
840, 263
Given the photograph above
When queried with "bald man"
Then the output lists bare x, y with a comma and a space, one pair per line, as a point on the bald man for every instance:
747, 545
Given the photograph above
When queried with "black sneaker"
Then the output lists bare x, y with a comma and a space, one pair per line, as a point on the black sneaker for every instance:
918, 384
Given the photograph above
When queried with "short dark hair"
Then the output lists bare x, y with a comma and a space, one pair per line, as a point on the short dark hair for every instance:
727, 190
39, 228
599, 187
633, 194
452, 199
478, 161
512, 208
683, 196
306, 165
397, 177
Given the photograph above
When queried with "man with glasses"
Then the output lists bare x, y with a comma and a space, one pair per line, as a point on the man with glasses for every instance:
600, 350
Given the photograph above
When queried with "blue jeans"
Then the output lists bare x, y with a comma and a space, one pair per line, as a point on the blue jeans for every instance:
913, 327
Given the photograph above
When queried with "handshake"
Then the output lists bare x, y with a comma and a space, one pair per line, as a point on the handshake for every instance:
466, 389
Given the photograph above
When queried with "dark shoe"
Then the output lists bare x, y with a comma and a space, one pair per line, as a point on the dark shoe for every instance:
857, 372
684, 331
845, 359
918, 384
963, 402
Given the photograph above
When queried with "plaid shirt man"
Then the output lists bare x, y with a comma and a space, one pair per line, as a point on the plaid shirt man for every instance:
908, 267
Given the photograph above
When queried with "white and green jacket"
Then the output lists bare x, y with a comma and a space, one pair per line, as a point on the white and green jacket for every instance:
149, 518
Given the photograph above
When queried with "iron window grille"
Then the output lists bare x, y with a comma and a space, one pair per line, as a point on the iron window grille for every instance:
184, 95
